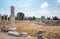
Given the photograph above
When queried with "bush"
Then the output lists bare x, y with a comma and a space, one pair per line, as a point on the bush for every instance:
55, 18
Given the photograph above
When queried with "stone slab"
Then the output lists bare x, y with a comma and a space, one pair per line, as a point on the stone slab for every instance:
14, 33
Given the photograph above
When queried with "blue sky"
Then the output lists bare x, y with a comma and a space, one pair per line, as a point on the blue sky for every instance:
31, 7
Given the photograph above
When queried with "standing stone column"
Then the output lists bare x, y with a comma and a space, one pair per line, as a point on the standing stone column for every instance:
12, 29
0, 18
12, 16
43, 18
6, 18
4, 22
12, 21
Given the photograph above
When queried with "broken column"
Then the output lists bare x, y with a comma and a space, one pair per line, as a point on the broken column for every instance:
43, 18
40, 34
12, 21
4, 29
12, 16
12, 28
0, 18
3, 22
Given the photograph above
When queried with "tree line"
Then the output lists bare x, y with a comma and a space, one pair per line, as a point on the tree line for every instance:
54, 18
21, 16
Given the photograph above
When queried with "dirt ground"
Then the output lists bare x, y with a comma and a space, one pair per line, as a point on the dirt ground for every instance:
32, 27
4, 35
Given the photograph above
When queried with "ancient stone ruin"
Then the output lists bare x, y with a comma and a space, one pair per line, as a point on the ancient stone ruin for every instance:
3, 22
12, 28
40, 34
50, 22
0, 18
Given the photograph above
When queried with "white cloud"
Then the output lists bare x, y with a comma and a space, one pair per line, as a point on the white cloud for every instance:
58, 1
44, 5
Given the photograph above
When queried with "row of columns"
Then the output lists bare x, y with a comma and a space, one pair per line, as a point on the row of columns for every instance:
4, 17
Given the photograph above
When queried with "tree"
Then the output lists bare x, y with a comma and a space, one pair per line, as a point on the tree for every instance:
30, 18
33, 17
48, 18
55, 18
20, 15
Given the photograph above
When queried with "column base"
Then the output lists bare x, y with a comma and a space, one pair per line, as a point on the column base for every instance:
12, 31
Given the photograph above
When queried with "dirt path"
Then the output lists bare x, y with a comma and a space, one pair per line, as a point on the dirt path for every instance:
6, 36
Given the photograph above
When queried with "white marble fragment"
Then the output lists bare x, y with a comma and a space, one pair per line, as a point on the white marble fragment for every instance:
13, 33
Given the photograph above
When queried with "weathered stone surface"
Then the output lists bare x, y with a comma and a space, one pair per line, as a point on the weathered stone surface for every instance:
6, 36
4, 29
23, 34
7, 18
0, 18
12, 16
12, 28
40, 35
43, 18
13, 33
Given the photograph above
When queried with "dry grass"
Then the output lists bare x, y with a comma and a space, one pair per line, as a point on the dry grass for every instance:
32, 28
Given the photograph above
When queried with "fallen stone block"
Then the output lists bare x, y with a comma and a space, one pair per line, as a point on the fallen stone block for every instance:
4, 29
14, 33
23, 34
